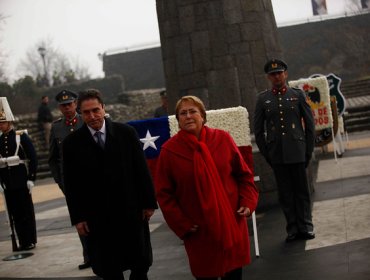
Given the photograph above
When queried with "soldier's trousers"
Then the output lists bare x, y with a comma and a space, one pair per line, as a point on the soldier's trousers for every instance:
20, 207
294, 196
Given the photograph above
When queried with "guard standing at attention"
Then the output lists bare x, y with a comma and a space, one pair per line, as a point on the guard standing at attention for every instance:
68, 123
285, 133
18, 164
61, 128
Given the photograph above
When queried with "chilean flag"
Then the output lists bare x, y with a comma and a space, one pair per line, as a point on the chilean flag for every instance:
153, 133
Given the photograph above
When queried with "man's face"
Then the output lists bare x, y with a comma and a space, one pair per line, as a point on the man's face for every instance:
69, 109
4, 126
278, 79
92, 113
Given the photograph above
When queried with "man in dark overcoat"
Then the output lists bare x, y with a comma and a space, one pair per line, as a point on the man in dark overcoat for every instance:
109, 191
285, 133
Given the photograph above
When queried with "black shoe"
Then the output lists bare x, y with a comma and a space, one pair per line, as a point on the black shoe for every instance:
84, 265
27, 247
291, 237
307, 235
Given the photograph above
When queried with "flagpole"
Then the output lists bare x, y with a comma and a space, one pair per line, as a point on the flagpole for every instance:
254, 222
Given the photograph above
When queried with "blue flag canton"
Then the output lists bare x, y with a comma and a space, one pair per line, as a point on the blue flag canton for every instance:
153, 133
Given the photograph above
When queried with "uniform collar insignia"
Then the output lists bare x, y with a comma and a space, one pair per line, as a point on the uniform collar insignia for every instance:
72, 121
283, 90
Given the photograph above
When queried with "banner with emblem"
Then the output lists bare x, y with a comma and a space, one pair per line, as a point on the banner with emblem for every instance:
318, 97
153, 133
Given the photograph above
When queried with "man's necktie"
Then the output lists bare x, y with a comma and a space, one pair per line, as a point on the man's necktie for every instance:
100, 140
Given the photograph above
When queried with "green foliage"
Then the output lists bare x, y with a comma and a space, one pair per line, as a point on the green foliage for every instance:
25, 95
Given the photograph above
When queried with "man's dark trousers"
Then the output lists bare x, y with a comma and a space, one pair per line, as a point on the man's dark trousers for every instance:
294, 196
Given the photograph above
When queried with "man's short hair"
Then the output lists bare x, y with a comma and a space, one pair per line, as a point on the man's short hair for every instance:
89, 94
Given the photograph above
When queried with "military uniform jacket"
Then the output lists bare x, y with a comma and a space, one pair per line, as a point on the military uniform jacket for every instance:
284, 126
15, 177
60, 129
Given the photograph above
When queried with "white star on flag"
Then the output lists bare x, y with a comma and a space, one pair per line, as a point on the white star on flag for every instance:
149, 141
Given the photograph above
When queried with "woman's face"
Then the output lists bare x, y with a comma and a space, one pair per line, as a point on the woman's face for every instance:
190, 118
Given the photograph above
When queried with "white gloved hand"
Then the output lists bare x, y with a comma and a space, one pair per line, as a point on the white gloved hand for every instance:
30, 185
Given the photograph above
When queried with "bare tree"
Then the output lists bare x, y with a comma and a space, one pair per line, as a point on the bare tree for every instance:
51, 64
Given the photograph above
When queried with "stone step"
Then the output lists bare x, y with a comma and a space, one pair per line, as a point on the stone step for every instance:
358, 121
43, 175
355, 88
358, 128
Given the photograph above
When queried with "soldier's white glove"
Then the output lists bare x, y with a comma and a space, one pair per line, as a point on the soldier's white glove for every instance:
30, 185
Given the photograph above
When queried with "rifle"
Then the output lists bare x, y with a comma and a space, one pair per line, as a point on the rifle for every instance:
11, 224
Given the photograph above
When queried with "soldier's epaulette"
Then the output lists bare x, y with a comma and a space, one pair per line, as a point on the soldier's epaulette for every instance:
21, 131
58, 120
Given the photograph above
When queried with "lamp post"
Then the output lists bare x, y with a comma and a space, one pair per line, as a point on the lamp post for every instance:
42, 52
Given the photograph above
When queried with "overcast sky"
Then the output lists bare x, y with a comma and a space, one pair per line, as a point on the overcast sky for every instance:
84, 28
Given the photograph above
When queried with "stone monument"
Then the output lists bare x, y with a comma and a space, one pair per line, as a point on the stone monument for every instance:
216, 49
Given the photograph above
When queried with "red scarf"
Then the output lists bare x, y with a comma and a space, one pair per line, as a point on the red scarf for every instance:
218, 215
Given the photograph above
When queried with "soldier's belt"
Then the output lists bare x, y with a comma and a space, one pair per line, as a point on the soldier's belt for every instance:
10, 161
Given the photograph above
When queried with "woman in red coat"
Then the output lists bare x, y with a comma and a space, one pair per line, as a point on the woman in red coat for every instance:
206, 190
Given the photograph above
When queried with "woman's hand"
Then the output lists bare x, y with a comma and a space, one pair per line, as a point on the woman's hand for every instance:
244, 211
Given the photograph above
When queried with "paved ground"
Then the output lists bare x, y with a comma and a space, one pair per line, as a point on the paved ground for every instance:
341, 215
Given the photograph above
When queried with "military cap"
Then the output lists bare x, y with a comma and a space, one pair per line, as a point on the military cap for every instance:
65, 96
275, 65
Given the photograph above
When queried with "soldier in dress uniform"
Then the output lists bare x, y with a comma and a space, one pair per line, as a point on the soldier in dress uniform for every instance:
18, 164
285, 133
61, 128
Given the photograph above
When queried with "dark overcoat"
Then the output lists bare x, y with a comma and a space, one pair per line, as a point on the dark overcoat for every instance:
109, 188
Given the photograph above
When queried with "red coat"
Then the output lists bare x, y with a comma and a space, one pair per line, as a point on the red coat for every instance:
178, 199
